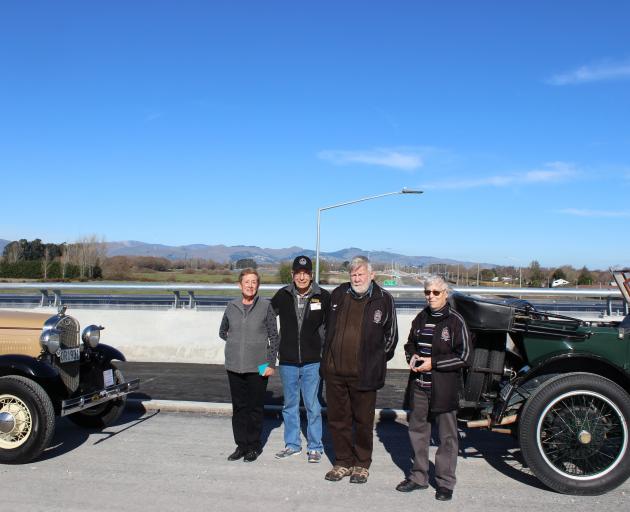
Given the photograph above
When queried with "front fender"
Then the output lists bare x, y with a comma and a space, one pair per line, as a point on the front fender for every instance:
579, 362
27, 366
109, 353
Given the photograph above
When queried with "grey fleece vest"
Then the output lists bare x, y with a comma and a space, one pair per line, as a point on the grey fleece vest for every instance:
247, 339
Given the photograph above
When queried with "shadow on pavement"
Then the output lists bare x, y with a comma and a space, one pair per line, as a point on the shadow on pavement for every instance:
68, 436
394, 438
271, 422
501, 452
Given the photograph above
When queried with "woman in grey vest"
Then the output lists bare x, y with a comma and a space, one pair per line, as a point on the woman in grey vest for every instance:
251, 346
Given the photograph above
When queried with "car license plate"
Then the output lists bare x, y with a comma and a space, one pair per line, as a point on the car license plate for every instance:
68, 355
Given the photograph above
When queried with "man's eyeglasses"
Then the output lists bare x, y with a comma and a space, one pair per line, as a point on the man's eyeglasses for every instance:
434, 292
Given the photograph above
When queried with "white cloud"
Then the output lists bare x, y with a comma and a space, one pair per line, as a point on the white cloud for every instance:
152, 116
593, 73
551, 172
406, 160
579, 212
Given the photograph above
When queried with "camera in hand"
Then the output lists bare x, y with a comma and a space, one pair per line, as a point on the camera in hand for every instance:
419, 362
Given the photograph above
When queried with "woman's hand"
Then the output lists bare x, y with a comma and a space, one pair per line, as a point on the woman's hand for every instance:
269, 371
420, 368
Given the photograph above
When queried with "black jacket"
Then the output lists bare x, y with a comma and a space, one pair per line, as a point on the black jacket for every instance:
304, 346
379, 334
451, 351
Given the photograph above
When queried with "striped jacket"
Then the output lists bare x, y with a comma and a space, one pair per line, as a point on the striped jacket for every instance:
451, 351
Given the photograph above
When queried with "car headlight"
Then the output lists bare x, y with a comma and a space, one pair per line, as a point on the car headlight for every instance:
50, 339
91, 335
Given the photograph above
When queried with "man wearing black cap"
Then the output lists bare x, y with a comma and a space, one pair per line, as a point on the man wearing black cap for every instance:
302, 307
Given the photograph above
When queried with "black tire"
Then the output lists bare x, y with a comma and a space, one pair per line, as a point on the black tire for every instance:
573, 432
105, 414
28, 420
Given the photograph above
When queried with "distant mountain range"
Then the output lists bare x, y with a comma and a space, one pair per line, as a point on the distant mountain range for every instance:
226, 254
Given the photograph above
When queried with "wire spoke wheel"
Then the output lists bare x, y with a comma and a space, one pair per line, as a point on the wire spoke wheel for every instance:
27, 419
16, 415
582, 434
573, 433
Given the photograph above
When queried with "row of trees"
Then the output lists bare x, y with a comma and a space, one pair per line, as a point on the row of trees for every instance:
86, 259
37, 260
533, 275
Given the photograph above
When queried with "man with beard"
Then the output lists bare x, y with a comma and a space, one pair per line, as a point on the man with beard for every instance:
361, 336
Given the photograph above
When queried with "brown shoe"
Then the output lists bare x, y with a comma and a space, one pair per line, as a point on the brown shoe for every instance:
359, 475
337, 473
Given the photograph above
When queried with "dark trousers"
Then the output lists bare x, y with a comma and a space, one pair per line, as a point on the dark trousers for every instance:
420, 437
347, 408
248, 401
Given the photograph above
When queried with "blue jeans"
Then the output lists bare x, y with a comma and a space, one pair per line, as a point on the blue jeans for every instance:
304, 378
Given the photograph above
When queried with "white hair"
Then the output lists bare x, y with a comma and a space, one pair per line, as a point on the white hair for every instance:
360, 261
438, 281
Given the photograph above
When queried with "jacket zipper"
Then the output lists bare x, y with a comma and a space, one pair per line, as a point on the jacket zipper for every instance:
299, 334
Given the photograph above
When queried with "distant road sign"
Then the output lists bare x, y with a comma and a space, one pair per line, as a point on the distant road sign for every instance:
389, 282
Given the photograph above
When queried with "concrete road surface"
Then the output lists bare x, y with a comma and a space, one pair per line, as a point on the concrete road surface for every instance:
177, 462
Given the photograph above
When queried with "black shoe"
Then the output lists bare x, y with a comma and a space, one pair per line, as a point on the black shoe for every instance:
443, 494
407, 486
237, 454
251, 455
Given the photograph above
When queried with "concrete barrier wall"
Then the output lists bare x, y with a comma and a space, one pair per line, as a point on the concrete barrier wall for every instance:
180, 336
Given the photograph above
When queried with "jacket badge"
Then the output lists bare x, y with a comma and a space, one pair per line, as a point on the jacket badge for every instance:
446, 336
378, 314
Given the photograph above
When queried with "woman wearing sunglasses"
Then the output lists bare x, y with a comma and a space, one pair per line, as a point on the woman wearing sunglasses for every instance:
438, 348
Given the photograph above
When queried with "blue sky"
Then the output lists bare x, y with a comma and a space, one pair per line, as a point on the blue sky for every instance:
232, 122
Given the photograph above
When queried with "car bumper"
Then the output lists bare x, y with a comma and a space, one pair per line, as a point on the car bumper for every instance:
80, 403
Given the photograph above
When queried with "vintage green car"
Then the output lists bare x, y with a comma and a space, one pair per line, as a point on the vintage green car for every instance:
561, 385
49, 368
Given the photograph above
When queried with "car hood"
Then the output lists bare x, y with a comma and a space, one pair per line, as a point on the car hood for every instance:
22, 320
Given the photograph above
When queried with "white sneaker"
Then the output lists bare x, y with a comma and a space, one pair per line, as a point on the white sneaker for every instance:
287, 452
314, 456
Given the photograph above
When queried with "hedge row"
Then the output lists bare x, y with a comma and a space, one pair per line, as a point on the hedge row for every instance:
35, 270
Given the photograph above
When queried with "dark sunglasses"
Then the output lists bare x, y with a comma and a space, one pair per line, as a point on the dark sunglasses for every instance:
434, 292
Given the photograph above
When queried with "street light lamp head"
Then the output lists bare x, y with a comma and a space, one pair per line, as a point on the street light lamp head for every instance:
411, 191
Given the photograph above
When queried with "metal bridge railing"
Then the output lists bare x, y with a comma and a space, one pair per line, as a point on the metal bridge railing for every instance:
183, 294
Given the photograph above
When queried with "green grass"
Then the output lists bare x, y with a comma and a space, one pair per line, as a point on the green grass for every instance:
196, 277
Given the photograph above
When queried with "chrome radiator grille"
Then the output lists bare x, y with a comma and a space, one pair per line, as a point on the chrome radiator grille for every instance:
69, 329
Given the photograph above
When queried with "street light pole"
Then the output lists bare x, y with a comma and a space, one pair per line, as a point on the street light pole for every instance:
320, 210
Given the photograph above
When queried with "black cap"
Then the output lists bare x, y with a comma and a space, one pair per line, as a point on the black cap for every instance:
302, 263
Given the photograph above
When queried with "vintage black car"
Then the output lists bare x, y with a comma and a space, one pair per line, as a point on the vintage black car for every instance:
49, 368
559, 384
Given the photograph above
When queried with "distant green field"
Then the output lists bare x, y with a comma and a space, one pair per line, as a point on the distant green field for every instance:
196, 277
